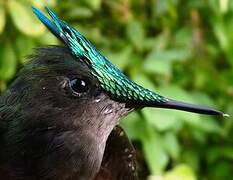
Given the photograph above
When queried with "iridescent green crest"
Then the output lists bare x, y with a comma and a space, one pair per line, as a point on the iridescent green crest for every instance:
110, 77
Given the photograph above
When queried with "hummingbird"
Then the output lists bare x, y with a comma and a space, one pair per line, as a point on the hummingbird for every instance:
59, 117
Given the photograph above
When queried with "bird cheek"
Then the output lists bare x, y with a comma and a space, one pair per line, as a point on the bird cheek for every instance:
107, 109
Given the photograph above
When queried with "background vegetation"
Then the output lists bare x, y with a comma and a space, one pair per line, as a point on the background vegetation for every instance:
182, 49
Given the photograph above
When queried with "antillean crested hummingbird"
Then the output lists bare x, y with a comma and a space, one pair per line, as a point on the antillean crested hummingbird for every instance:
58, 118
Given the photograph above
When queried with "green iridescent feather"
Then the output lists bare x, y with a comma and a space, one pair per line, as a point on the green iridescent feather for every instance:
110, 77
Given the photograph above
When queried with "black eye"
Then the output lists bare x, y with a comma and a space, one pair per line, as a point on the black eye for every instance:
79, 85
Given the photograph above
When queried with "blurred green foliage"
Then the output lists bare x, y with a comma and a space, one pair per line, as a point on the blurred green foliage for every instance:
181, 49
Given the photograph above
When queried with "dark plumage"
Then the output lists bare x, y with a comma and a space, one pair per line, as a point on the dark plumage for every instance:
47, 132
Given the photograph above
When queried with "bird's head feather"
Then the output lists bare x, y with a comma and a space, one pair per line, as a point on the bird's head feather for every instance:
109, 76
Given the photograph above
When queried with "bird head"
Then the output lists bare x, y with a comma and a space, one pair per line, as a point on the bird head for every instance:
56, 103
110, 78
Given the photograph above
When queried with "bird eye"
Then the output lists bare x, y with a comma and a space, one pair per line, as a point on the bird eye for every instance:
79, 86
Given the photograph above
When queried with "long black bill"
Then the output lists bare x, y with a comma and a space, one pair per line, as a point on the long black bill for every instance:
172, 104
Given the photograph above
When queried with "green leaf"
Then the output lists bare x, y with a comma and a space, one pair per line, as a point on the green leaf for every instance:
94, 4
79, 12
221, 34
182, 171
160, 7
216, 153
48, 38
162, 119
136, 34
24, 19
152, 142
24, 47
2, 18
221, 170
144, 81
121, 59
191, 157
2, 86
155, 154
171, 145
8, 62
224, 5
134, 126
43, 3
160, 61
214, 6
182, 39
158, 43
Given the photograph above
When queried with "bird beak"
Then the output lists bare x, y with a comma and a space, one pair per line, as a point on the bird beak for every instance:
178, 105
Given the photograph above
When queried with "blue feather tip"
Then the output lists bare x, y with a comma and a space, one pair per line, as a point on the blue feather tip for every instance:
52, 26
